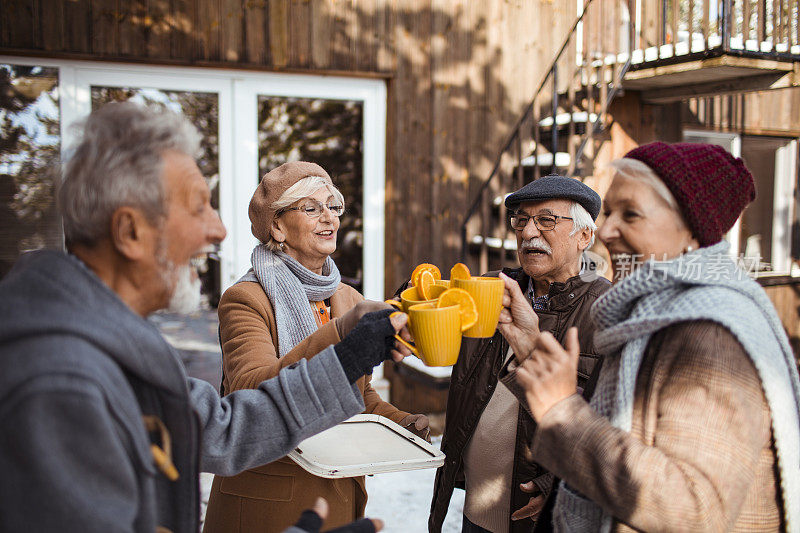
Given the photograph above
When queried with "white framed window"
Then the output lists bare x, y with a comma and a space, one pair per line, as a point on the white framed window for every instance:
762, 236
234, 97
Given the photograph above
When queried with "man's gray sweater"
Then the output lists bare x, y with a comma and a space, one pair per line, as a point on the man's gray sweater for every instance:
79, 371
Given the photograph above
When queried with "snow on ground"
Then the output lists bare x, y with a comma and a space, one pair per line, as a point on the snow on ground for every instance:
401, 499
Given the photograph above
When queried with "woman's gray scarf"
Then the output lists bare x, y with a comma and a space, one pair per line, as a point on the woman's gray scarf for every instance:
290, 287
700, 285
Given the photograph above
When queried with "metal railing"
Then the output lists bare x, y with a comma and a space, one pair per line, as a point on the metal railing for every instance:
676, 30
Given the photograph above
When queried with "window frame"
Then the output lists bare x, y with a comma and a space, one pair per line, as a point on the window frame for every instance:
238, 130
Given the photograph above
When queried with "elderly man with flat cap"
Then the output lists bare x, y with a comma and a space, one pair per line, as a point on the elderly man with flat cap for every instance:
488, 426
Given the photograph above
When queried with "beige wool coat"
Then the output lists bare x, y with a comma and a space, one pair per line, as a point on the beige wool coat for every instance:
700, 454
270, 498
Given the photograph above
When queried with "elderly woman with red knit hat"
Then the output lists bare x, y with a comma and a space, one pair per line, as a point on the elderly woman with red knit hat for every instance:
695, 419
289, 306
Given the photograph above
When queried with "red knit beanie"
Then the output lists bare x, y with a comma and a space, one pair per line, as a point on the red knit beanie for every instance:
711, 186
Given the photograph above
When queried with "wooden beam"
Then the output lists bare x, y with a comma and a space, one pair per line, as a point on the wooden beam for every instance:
778, 80
715, 68
85, 56
256, 33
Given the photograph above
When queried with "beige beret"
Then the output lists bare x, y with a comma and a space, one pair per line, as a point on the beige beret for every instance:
272, 186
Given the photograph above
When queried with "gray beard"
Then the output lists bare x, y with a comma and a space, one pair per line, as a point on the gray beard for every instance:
186, 296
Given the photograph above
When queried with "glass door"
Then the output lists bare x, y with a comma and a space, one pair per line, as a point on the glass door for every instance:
338, 123
29, 151
202, 100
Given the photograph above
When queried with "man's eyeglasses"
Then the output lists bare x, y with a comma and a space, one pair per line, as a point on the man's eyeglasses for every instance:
542, 222
314, 209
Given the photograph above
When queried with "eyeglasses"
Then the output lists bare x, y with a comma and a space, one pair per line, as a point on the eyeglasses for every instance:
542, 222
313, 209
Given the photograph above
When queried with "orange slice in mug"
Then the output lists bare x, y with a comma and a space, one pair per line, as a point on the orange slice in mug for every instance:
466, 306
394, 303
459, 271
433, 269
425, 285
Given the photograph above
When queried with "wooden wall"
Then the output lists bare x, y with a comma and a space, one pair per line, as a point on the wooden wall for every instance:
459, 73
786, 299
758, 113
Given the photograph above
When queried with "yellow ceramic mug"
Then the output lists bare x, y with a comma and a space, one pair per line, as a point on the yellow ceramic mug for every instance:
488, 296
410, 296
437, 333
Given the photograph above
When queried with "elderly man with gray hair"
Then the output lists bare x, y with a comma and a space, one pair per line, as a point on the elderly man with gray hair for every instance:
101, 428
488, 427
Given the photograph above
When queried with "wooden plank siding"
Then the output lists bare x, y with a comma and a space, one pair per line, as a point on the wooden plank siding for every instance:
459, 73
786, 299
756, 113
20, 23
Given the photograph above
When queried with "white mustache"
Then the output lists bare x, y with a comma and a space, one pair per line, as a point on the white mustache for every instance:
537, 243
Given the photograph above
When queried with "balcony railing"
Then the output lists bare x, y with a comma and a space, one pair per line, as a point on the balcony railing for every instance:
676, 30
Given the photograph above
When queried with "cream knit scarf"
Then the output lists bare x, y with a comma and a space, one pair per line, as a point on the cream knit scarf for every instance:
290, 287
701, 285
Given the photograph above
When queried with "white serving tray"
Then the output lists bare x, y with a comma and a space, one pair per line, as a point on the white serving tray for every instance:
365, 444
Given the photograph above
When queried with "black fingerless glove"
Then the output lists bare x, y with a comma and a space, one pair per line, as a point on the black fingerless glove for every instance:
364, 525
309, 521
368, 344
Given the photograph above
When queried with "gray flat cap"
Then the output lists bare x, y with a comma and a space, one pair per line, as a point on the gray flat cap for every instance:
556, 187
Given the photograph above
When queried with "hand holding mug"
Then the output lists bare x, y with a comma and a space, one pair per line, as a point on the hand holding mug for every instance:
403, 336
371, 342
518, 322
348, 321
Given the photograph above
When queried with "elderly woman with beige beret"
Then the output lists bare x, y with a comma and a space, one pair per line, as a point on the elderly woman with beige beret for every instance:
289, 306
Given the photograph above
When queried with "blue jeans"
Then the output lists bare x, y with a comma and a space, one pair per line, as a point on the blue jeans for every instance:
469, 527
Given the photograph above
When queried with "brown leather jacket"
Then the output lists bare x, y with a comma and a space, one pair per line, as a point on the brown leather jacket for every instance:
473, 381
